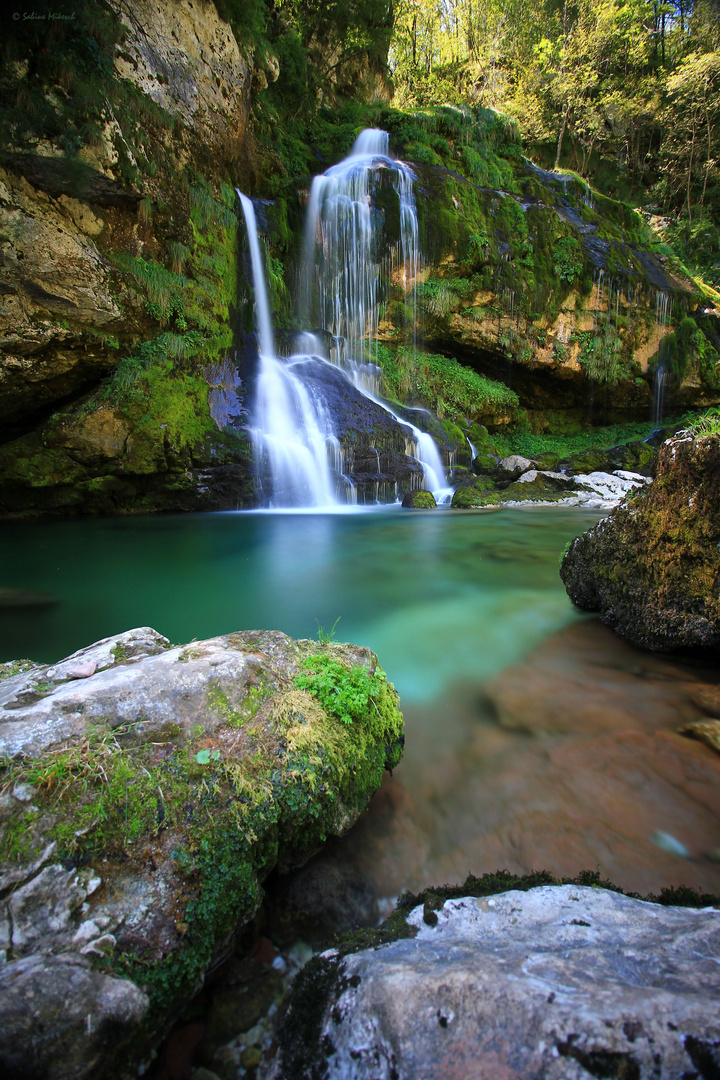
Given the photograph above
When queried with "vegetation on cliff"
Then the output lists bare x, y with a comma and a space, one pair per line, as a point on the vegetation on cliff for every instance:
624, 93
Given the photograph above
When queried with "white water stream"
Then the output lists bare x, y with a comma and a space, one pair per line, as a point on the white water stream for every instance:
293, 436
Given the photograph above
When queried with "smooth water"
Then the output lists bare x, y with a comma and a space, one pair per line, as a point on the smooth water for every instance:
439, 595
535, 738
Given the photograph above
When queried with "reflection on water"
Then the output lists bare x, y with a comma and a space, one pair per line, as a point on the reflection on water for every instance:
535, 738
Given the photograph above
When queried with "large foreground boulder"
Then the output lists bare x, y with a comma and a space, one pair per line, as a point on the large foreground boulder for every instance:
652, 567
146, 792
558, 983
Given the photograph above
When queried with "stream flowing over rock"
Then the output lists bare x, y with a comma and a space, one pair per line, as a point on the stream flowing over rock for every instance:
147, 791
652, 567
557, 983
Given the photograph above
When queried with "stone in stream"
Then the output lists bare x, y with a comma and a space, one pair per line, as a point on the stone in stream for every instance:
147, 791
419, 500
556, 983
652, 567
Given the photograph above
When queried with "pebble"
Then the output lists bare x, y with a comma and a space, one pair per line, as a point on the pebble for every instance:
668, 843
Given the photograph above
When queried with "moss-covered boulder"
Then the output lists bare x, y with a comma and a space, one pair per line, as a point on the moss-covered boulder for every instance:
147, 791
652, 568
419, 500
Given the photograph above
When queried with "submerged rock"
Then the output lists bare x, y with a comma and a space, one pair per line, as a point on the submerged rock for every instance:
553, 983
148, 789
652, 568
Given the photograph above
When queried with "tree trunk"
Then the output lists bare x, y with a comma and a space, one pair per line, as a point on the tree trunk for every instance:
561, 136
689, 174
709, 158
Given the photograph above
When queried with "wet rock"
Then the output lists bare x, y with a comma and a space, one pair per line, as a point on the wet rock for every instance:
550, 984
708, 700
419, 500
651, 568
707, 731
568, 759
149, 789
510, 468
324, 898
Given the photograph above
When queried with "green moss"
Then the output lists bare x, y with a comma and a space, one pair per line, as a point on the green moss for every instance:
15, 667
441, 383
688, 348
420, 500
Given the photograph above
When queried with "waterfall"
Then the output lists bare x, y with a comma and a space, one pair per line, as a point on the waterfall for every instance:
262, 307
342, 276
663, 312
341, 256
290, 430
341, 245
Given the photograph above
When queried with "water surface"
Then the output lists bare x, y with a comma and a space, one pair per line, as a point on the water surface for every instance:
439, 595
536, 739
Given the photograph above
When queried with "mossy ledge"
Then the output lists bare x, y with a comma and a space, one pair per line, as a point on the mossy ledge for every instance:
147, 791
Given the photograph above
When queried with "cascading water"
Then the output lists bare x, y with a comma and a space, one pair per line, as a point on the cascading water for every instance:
290, 429
293, 437
663, 312
341, 255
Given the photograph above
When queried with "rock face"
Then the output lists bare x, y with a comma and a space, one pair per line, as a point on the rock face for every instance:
652, 568
557, 983
147, 790
187, 60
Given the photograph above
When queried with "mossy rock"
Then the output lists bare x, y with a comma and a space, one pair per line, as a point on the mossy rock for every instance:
652, 567
484, 464
419, 500
478, 492
152, 788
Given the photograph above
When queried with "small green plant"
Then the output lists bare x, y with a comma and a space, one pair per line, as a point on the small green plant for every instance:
705, 425
204, 757
343, 692
567, 259
325, 637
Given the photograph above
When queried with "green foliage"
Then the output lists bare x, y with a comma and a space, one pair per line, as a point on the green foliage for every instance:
596, 438
689, 348
205, 756
326, 636
440, 383
567, 259
343, 692
705, 425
